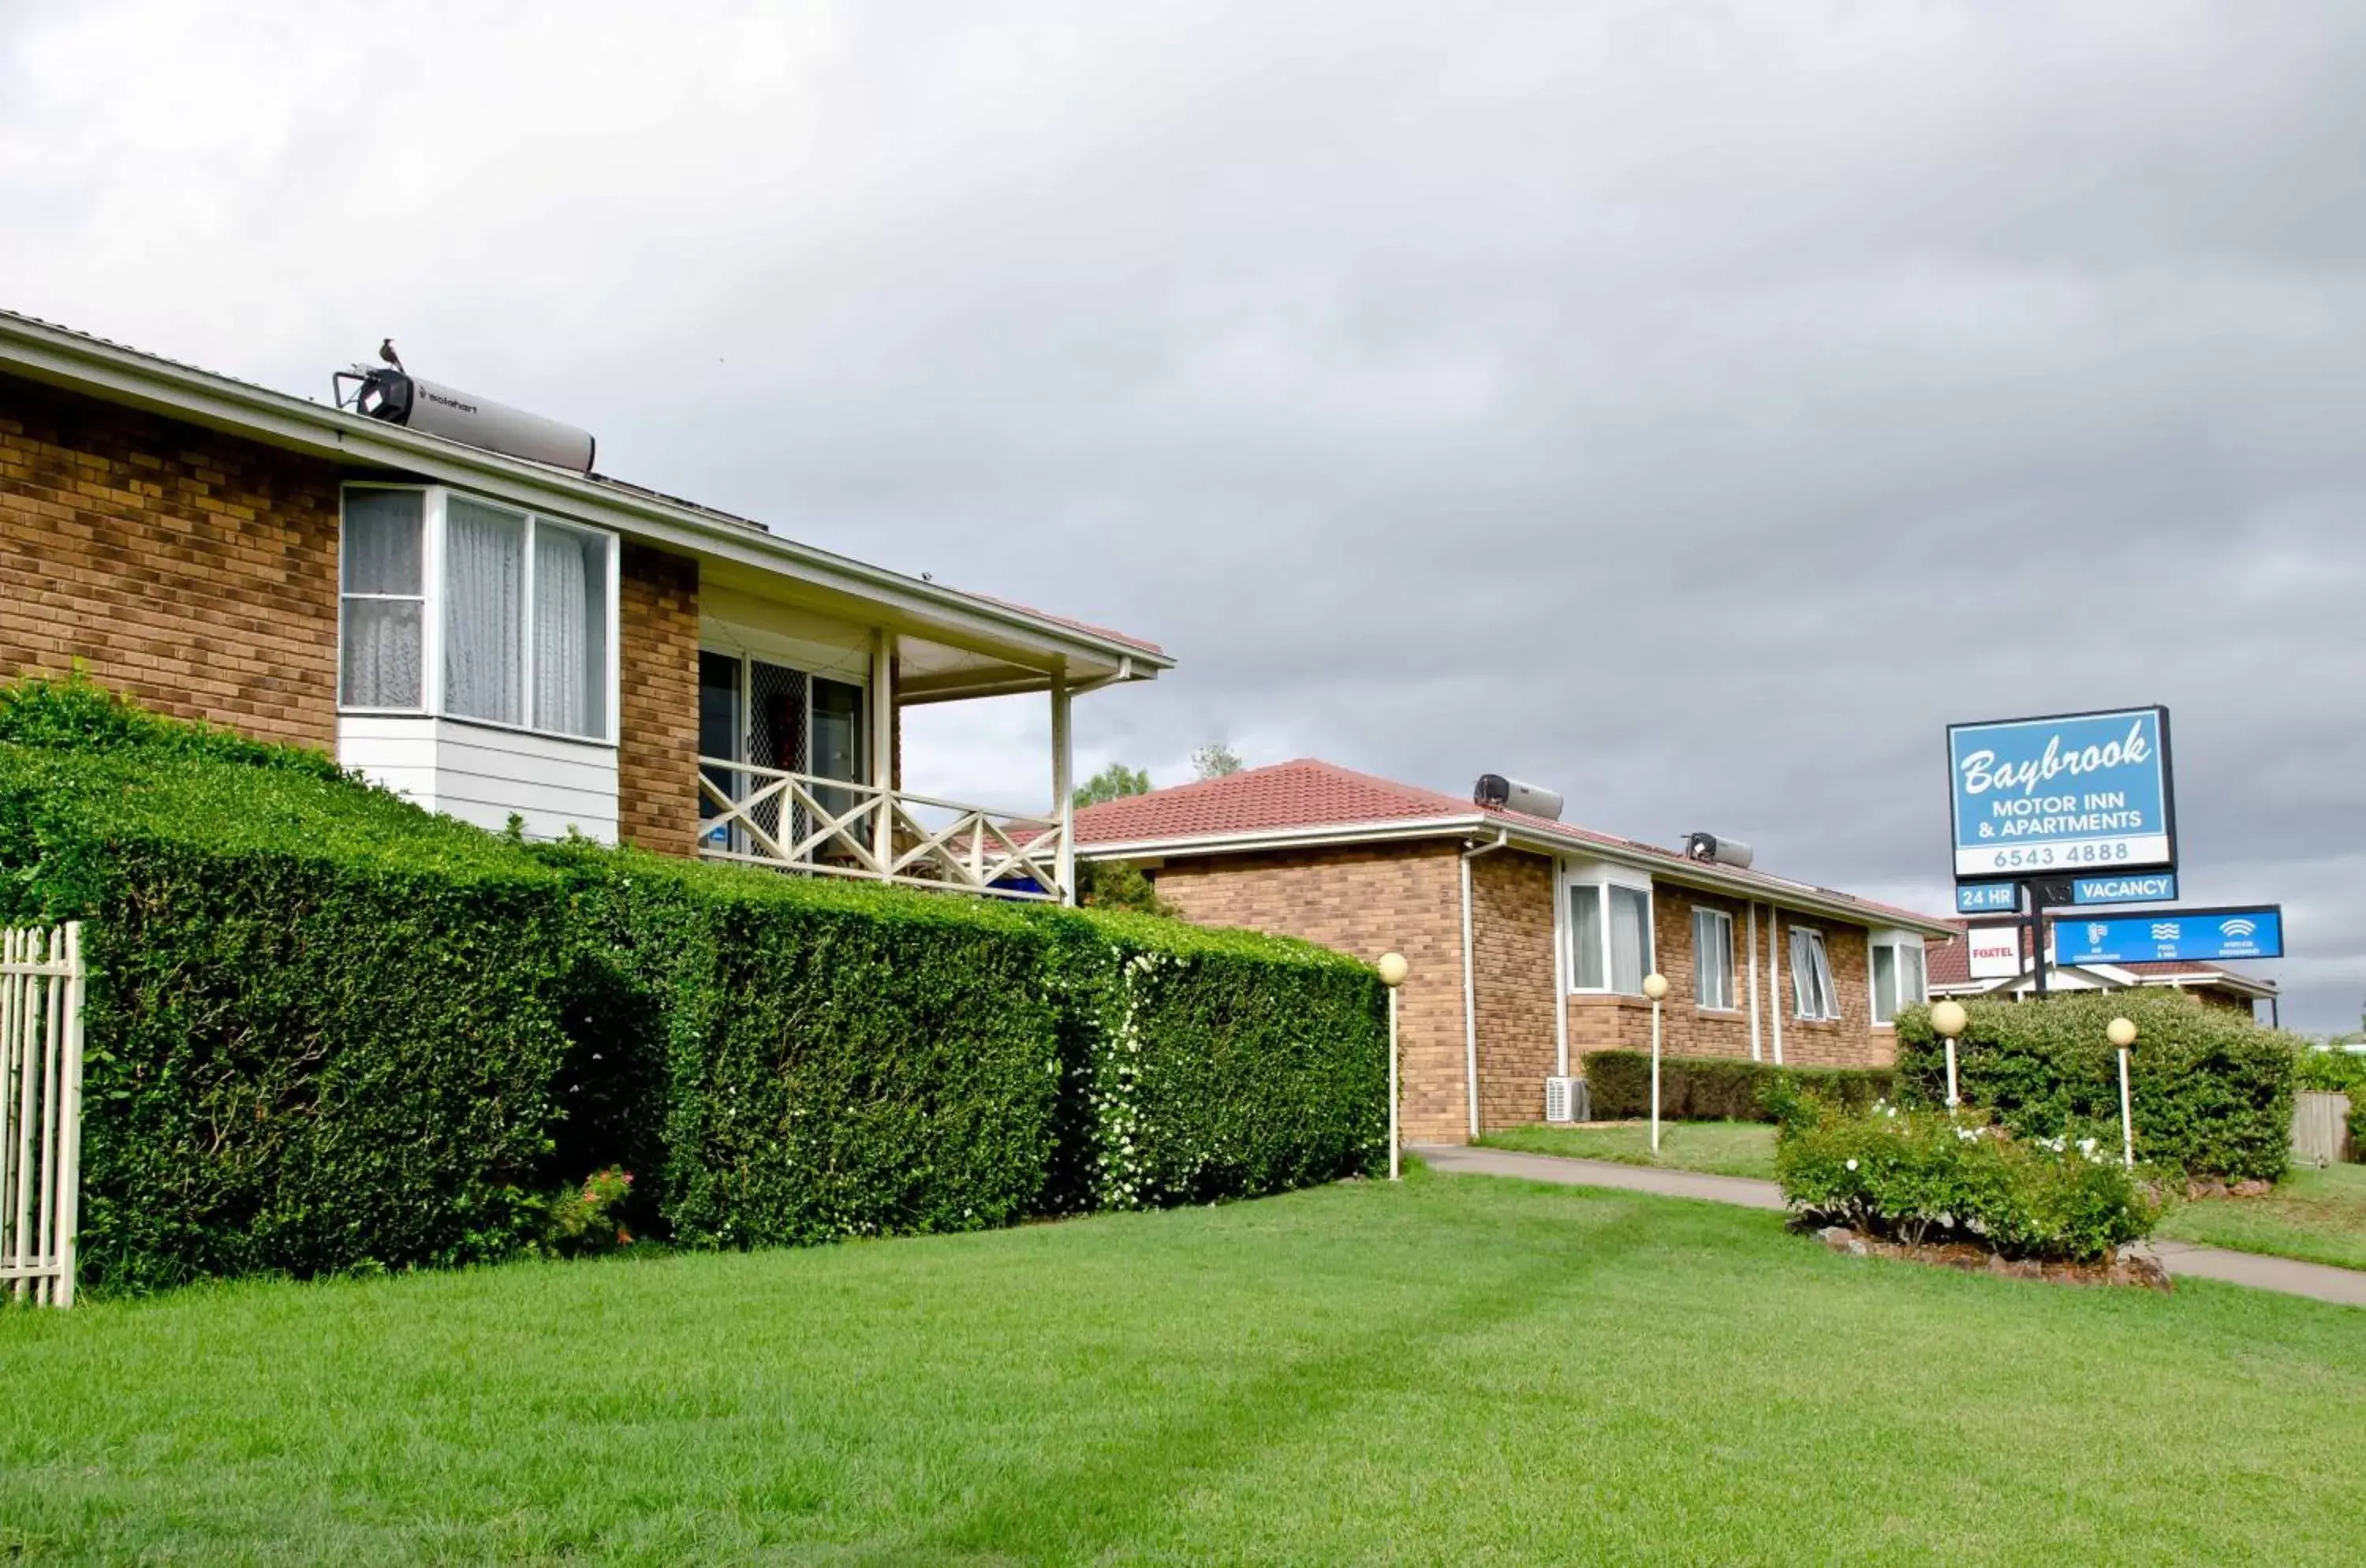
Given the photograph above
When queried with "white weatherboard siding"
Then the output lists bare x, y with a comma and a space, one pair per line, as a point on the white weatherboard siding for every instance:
484, 773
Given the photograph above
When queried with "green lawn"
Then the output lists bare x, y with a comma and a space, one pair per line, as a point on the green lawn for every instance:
2318, 1215
1721, 1148
1457, 1370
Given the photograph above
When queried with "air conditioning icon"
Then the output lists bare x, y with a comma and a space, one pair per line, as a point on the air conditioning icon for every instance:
2096, 933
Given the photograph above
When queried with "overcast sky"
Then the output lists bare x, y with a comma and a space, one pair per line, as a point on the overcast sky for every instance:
1693, 409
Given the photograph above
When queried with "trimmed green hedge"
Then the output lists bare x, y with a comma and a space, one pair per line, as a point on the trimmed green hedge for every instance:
796, 1060
1212, 1064
1718, 1088
2212, 1092
321, 1028
331, 1031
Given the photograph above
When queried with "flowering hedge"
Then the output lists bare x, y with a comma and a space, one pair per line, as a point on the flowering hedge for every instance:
2213, 1091
1212, 1064
1920, 1175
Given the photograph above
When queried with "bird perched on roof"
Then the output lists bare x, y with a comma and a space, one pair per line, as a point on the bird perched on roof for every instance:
386, 352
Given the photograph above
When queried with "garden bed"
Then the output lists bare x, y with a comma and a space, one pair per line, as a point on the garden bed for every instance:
2129, 1266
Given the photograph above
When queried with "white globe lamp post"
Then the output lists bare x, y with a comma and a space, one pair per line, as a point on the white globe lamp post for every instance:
1949, 1019
1393, 970
1655, 986
2121, 1033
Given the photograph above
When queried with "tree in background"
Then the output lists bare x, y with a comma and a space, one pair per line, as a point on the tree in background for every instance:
1110, 783
1107, 885
1215, 761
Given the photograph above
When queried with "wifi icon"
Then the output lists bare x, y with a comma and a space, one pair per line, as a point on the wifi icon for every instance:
2238, 926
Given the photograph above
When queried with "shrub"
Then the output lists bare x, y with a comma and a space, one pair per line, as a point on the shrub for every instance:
2212, 1090
801, 1060
77, 715
1917, 1177
328, 1031
2338, 1071
1211, 1064
1718, 1088
320, 1032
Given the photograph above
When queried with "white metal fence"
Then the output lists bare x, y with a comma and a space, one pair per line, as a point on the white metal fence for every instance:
41, 1111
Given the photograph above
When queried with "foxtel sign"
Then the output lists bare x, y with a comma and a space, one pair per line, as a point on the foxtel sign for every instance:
2078, 792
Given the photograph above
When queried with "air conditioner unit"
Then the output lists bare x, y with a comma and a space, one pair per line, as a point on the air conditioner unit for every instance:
1567, 1100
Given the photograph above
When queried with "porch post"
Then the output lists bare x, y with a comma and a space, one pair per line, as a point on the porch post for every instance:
1064, 787
883, 747
1775, 978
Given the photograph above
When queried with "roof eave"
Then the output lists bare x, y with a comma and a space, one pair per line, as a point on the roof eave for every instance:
69, 360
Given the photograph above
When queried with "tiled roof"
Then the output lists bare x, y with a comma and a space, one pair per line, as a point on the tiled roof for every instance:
1311, 794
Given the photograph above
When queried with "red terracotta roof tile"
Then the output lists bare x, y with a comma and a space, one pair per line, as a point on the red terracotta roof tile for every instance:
1308, 793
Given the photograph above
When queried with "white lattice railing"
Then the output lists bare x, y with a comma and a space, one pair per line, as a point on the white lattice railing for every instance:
803, 822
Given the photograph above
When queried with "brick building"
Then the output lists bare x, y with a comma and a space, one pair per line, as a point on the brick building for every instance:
499, 637
1529, 939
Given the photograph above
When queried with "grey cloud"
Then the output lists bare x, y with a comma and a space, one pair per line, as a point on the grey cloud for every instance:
1693, 408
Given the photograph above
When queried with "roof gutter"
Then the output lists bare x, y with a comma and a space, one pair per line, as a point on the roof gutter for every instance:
77, 363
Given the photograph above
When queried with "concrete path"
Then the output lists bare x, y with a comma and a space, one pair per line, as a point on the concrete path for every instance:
2183, 1259
1460, 1160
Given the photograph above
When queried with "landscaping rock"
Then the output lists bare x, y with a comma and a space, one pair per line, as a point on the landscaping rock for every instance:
2133, 1265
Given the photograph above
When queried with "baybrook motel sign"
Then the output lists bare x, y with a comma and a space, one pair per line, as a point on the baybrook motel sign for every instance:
2075, 793
2070, 808
2078, 808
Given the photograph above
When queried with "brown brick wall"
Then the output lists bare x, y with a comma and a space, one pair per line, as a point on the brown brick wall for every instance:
1688, 1030
1512, 957
656, 733
196, 571
1365, 900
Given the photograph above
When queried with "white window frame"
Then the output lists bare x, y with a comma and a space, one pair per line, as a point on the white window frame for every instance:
1827, 981
1730, 1002
432, 555
1604, 876
1893, 940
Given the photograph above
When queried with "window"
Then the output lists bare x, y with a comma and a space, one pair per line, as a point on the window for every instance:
381, 648
515, 623
1712, 958
1811, 976
1609, 936
1898, 974
1589, 969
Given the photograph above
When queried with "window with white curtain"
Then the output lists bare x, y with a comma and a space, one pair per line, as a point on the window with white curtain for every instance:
1609, 936
1899, 979
1712, 958
381, 642
570, 630
1811, 976
518, 622
1588, 968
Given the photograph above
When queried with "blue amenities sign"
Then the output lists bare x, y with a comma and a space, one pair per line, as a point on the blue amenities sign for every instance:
2085, 792
2169, 935
1987, 897
2158, 888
